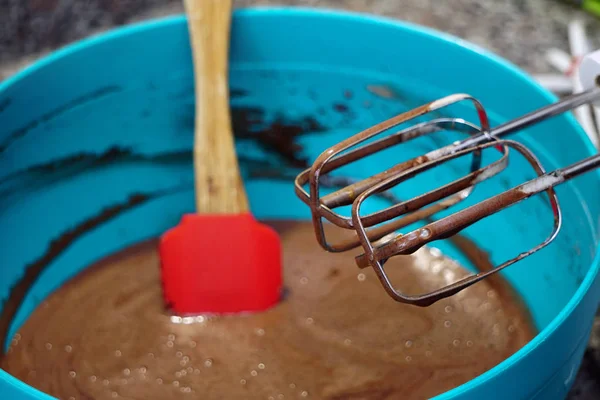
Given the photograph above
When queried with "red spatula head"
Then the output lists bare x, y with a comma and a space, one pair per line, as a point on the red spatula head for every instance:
220, 264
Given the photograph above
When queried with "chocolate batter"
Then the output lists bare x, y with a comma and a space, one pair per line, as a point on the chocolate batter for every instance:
336, 335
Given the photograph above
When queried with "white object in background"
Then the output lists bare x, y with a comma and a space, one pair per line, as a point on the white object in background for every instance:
559, 59
570, 68
589, 70
559, 84
589, 74
578, 42
579, 48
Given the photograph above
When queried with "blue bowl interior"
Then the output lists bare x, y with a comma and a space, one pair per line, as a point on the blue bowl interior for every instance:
95, 141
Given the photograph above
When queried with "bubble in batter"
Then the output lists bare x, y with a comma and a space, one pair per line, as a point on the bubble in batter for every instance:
336, 334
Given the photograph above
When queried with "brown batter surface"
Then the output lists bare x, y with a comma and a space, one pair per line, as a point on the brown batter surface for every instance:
336, 335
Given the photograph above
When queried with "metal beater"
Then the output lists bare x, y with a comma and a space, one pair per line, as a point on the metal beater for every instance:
376, 232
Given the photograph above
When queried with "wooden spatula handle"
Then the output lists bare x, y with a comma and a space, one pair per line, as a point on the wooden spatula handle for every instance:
219, 187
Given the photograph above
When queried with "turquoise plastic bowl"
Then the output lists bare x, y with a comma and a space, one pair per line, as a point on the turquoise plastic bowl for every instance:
95, 147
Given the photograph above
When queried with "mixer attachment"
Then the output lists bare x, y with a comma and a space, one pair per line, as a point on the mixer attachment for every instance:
377, 232
349, 151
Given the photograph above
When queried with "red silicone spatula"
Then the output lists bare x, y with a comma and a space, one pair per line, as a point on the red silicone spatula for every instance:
219, 260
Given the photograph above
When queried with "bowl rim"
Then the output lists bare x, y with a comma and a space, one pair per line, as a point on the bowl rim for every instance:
358, 17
